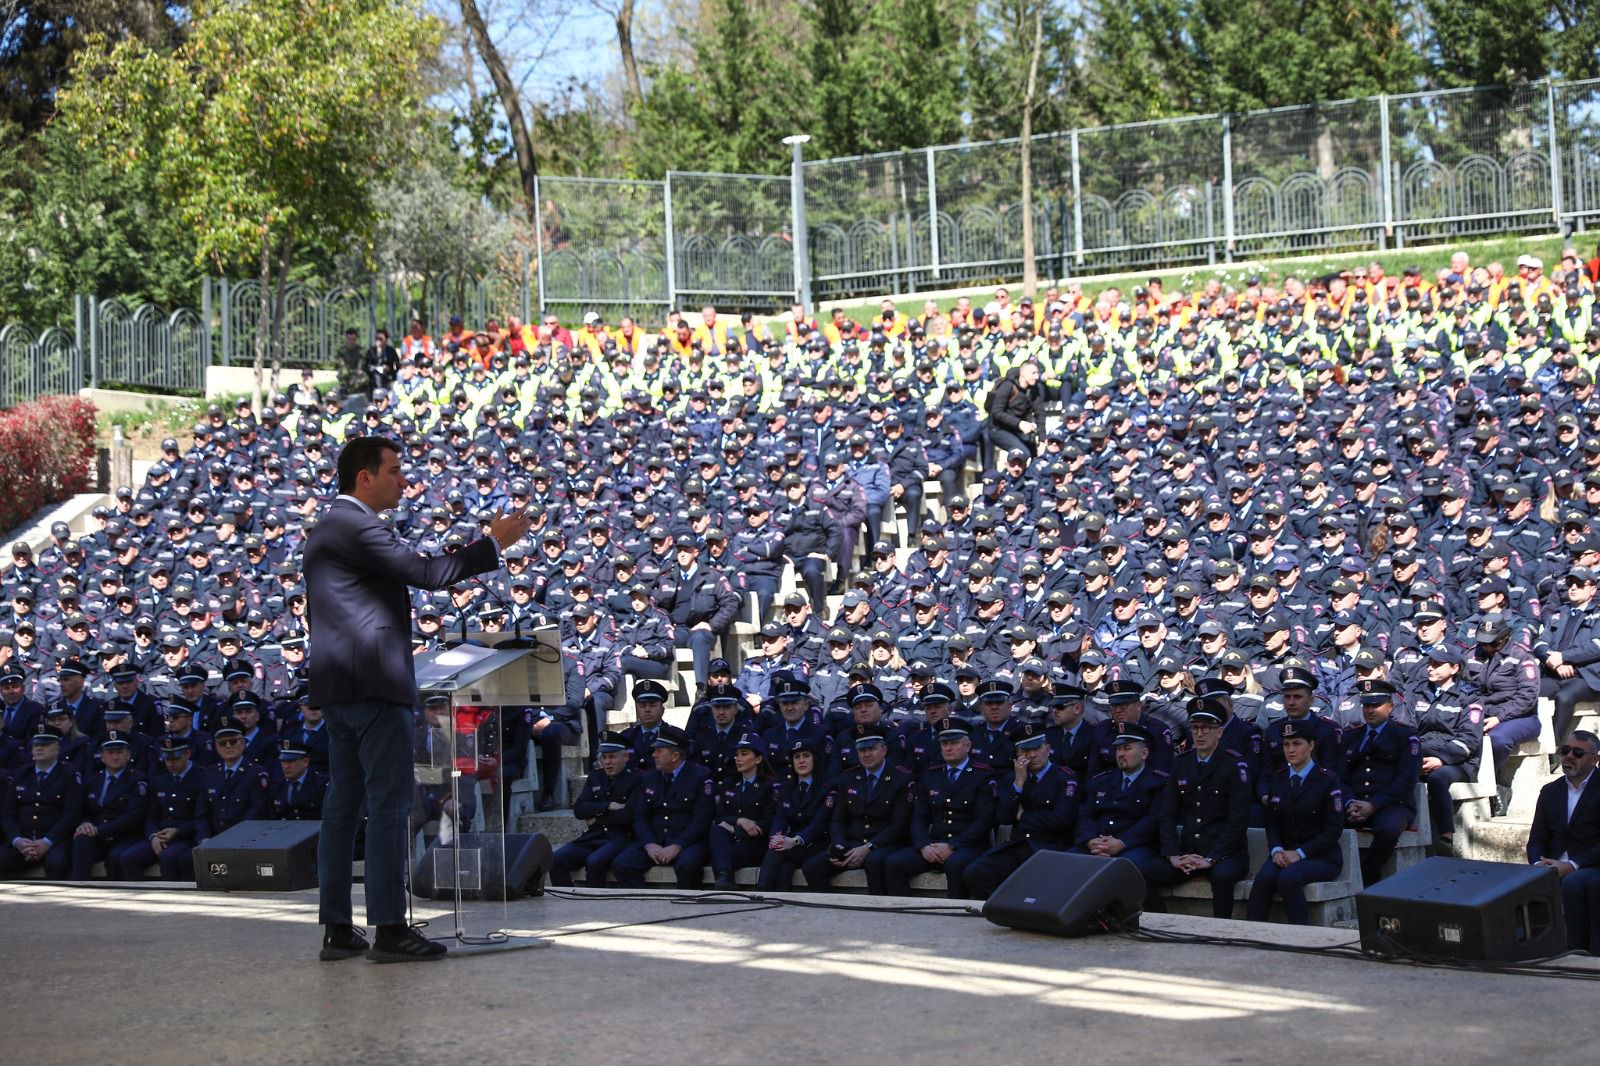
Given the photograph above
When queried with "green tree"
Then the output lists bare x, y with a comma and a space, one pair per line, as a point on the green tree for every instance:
266, 129
1490, 42
69, 223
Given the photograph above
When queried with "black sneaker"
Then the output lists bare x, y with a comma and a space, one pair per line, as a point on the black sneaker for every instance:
406, 945
342, 942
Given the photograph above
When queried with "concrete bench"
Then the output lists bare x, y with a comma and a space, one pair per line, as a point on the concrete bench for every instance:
1413, 844
1527, 768
1473, 796
97, 872
1330, 901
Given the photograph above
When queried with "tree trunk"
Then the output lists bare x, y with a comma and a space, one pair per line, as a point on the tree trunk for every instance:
263, 321
1030, 265
509, 100
280, 302
630, 64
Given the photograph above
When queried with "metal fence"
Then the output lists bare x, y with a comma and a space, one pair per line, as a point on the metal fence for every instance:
1378, 172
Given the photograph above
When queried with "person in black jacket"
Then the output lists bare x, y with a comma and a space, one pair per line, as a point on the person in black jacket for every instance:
952, 820
809, 538
1305, 819
1016, 410
699, 601
746, 808
114, 808
606, 805
1203, 816
1570, 843
1040, 804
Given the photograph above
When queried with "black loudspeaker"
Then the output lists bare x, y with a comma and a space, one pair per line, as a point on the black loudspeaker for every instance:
1068, 895
525, 860
259, 857
1463, 909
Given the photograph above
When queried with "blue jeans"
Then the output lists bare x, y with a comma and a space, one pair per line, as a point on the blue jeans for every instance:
369, 763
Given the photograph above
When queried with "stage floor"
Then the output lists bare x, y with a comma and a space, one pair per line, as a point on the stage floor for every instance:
175, 976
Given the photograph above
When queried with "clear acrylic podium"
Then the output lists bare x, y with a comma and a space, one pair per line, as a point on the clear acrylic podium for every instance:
458, 828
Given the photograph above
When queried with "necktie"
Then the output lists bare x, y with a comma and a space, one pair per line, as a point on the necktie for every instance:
105, 788
289, 800
1127, 782
805, 787
953, 772
872, 784
1366, 739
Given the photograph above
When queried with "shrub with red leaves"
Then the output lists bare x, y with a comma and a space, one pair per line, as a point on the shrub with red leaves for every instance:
47, 451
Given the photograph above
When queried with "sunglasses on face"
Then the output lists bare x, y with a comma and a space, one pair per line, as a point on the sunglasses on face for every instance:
1574, 751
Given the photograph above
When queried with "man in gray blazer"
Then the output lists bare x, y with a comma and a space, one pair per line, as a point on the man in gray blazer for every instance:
357, 573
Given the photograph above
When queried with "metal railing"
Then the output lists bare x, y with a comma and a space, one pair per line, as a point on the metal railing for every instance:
1378, 172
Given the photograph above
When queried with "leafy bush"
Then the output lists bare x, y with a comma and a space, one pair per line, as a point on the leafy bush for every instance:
47, 451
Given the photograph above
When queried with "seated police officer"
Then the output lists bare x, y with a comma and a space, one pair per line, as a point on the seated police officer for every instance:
871, 814
1305, 817
605, 806
1117, 815
672, 815
298, 794
1071, 737
1449, 738
1040, 803
1204, 816
1379, 768
40, 812
952, 819
649, 707
1125, 709
796, 722
236, 790
746, 808
805, 808
114, 807
175, 819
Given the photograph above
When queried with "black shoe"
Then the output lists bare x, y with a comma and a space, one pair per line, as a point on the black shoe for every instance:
724, 881
545, 802
1501, 803
404, 944
342, 942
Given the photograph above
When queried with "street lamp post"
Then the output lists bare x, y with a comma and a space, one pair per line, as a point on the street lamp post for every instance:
797, 209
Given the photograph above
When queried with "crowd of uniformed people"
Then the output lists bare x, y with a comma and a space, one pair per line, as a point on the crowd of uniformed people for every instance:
1174, 565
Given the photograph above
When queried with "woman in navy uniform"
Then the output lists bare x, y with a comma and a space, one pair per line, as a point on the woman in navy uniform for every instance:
746, 809
1305, 817
1041, 806
606, 805
805, 807
1204, 814
114, 807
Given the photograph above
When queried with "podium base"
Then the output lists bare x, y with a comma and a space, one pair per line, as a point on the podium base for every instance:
463, 950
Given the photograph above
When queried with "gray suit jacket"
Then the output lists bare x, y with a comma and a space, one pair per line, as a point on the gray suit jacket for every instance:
357, 572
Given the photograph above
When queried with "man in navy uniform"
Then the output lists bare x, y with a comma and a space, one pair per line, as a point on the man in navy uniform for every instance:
1305, 817
871, 814
20, 717
649, 706
297, 795
672, 816
236, 790
175, 819
1040, 803
605, 805
114, 807
1118, 812
40, 812
713, 746
1298, 684
1380, 764
952, 820
1125, 705
1071, 738
994, 734
796, 723
1203, 816
1565, 835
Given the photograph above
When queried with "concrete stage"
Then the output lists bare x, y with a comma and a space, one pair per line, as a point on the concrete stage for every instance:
102, 974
